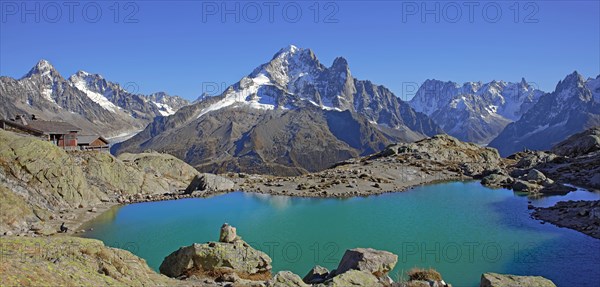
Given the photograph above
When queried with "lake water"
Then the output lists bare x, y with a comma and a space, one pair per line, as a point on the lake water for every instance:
462, 229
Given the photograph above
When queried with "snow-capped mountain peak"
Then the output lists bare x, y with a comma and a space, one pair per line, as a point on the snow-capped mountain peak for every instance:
93, 87
474, 111
42, 68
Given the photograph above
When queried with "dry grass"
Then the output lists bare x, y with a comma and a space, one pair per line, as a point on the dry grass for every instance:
424, 274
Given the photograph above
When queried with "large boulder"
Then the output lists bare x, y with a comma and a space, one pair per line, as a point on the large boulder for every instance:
536, 175
376, 262
244, 260
497, 180
286, 279
525, 186
209, 182
505, 280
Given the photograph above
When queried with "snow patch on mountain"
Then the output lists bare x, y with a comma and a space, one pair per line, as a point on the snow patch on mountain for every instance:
164, 109
248, 94
100, 99
47, 94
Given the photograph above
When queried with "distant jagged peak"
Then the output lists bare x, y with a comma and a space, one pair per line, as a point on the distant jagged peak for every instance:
42, 68
571, 87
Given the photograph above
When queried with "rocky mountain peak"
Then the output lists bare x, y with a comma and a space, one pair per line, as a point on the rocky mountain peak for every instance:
572, 87
288, 65
340, 63
42, 68
524, 82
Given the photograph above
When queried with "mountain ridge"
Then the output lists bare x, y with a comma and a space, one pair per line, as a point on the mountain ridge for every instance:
307, 106
87, 100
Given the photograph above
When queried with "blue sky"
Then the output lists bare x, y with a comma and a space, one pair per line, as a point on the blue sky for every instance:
184, 47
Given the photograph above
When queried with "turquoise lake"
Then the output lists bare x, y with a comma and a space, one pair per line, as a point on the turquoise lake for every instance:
462, 229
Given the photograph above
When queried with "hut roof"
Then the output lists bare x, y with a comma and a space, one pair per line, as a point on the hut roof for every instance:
52, 127
88, 139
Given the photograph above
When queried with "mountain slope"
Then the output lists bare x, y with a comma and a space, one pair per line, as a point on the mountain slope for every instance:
474, 112
86, 100
570, 109
288, 116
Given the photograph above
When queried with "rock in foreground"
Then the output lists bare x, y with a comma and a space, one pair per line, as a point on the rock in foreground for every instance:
72, 261
376, 262
504, 280
217, 257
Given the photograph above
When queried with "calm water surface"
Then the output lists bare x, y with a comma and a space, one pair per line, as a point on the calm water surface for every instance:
462, 229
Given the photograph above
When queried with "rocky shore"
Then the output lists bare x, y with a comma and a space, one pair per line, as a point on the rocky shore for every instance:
583, 216
574, 161
396, 168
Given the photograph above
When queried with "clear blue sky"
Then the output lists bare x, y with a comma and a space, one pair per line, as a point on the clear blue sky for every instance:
176, 46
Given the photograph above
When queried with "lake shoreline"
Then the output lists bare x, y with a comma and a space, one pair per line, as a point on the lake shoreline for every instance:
77, 218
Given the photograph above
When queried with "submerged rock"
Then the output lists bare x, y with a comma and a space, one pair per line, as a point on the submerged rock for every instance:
505, 280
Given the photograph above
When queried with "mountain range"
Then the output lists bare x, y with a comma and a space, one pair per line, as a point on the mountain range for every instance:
293, 115
474, 112
572, 108
87, 100
288, 116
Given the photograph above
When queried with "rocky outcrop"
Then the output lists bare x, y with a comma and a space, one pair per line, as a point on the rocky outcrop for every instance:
72, 261
207, 182
471, 159
43, 180
163, 166
579, 144
583, 216
211, 258
505, 280
396, 168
